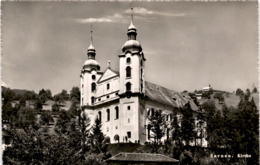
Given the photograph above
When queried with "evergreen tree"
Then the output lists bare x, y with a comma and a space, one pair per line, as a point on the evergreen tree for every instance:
97, 137
84, 136
187, 125
254, 90
157, 126
176, 141
98, 141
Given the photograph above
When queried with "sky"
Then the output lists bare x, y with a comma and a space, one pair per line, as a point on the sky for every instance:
187, 45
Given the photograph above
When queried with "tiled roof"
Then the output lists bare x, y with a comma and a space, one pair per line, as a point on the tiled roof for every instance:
166, 96
142, 157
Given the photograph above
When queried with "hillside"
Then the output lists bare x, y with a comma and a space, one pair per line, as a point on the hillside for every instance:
229, 99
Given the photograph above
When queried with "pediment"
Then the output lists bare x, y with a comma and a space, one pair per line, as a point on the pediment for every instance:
108, 74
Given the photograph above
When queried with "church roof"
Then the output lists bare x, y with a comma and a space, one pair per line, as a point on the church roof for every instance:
141, 157
166, 96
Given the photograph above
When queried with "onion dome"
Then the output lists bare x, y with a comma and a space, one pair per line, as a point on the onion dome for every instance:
91, 62
131, 44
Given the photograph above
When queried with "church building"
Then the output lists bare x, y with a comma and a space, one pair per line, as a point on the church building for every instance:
123, 99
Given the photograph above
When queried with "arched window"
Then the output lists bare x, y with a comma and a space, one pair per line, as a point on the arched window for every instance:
93, 87
92, 100
128, 71
116, 138
128, 60
128, 86
108, 114
93, 77
100, 116
152, 112
117, 112
108, 86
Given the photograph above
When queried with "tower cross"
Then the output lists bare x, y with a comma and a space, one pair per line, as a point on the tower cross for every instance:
91, 31
132, 14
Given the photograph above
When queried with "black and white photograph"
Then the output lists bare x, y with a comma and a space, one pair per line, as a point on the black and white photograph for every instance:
129, 83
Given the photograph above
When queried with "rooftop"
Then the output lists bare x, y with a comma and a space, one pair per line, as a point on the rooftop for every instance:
166, 96
142, 157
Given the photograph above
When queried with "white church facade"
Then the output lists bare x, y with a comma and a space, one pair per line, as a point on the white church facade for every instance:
123, 99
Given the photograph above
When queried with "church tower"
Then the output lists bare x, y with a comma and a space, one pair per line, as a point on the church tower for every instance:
131, 64
131, 88
89, 76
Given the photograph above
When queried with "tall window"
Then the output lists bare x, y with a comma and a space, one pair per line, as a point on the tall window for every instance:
93, 77
92, 100
128, 60
108, 86
93, 87
117, 112
128, 71
152, 112
100, 116
128, 86
128, 134
108, 114
148, 131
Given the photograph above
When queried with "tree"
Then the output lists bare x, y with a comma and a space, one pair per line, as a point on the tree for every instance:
98, 141
187, 124
239, 92
157, 127
55, 107
209, 109
26, 147
247, 119
248, 93
176, 141
97, 137
63, 123
83, 135
61, 97
44, 95
8, 95
46, 118
26, 118
254, 90
219, 96
75, 94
